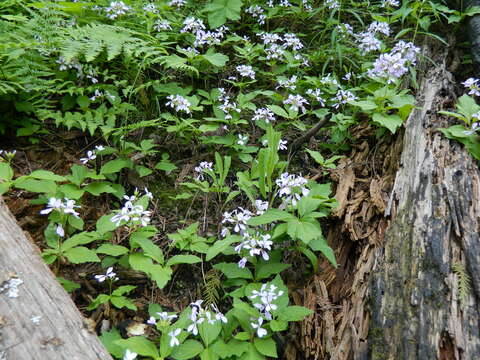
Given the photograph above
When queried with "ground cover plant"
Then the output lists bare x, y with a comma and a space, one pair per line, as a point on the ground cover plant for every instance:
202, 112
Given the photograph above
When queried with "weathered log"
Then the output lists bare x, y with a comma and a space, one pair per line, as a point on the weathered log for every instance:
419, 310
38, 319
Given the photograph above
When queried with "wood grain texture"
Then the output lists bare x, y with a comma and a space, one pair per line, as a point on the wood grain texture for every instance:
417, 312
61, 332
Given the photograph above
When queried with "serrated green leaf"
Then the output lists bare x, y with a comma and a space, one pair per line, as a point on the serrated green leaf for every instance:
81, 254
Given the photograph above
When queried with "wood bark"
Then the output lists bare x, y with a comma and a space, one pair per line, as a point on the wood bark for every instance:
419, 309
60, 331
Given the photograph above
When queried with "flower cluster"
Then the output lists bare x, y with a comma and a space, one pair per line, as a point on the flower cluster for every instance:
246, 71
116, 9
342, 97
179, 103
161, 25
316, 95
199, 315
367, 40
238, 219
242, 139
290, 84
276, 45
227, 106
394, 64
264, 114
296, 102
257, 12
472, 85
177, 3
332, 4
108, 275
255, 245
282, 144
92, 154
267, 295
291, 188
392, 3
202, 168
65, 206
132, 214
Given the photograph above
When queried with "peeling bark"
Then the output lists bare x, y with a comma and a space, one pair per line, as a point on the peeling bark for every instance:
434, 209
38, 321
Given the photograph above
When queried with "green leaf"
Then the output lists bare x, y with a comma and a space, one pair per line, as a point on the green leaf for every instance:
279, 111
221, 245
278, 325
307, 205
150, 249
114, 166
316, 156
221, 10
108, 339
121, 301
266, 346
79, 174
46, 175
187, 350
161, 275
6, 172
209, 332
140, 345
104, 224
303, 230
232, 271
268, 269
71, 191
68, 285
216, 59
320, 244
98, 188
37, 186
183, 259
99, 300
391, 122
295, 313
112, 250
81, 254
365, 105
79, 239
270, 216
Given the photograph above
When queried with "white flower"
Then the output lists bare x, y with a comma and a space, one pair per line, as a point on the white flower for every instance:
332, 4
316, 94
165, 317
472, 85
148, 194
381, 27
99, 148
162, 25
150, 8
173, 337
242, 262
287, 83
386, 3
193, 25
368, 42
195, 322
261, 332
296, 102
90, 156
116, 9
291, 188
177, 3
238, 218
179, 103
261, 206
282, 145
267, 296
246, 71
264, 114
59, 230
219, 315
343, 97
129, 355
152, 321
292, 41
108, 275
203, 168
242, 139
258, 13
53, 204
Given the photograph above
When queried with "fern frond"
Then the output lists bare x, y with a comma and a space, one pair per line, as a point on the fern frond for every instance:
463, 282
212, 285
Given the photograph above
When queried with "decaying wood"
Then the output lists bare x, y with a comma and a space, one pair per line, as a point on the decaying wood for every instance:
40, 321
435, 209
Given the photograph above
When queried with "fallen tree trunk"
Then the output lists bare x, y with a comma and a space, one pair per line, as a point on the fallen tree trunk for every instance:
38, 320
422, 307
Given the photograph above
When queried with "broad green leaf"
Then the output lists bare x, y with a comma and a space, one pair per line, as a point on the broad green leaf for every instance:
98, 188
79, 239
6, 172
221, 10
295, 313
68, 285
303, 230
189, 349
268, 269
232, 271
71, 191
139, 345
37, 186
112, 250
121, 301
161, 275
307, 205
391, 122
270, 216
183, 259
220, 245
216, 59
209, 332
81, 254
266, 346
79, 174
99, 300
278, 325
104, 224
108, 339
320, 244
114, 166
279, 111
46, 175
150, 249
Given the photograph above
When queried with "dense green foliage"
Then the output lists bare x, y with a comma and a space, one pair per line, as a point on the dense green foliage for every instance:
229, 84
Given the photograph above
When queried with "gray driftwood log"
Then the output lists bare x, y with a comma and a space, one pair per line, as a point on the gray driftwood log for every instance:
420, 309
38, 320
